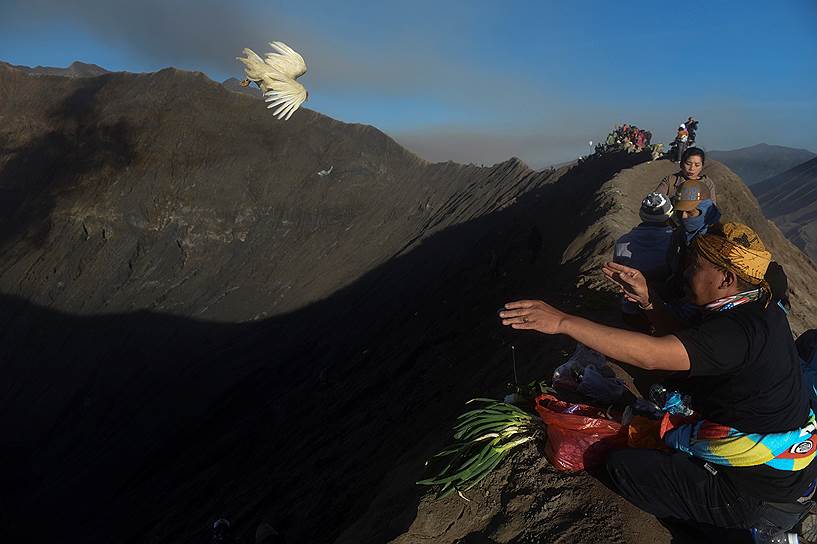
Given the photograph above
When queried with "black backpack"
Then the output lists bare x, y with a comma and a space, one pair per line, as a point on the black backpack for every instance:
778, 285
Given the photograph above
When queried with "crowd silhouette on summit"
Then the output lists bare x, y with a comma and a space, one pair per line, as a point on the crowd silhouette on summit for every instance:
632, 139
625, 137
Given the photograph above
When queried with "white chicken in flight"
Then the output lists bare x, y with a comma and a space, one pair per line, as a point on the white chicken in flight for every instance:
275, 75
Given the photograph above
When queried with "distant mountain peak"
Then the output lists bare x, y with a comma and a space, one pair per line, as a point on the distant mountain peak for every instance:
761, 161
78, 65
75, 69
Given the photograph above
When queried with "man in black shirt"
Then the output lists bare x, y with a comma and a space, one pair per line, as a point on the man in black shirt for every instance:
739, 365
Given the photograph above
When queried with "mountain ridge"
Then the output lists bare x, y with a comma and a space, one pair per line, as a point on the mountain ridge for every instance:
113, 193
162, 364
75, 69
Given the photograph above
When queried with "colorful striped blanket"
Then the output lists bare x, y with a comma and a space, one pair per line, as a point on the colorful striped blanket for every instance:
722, 445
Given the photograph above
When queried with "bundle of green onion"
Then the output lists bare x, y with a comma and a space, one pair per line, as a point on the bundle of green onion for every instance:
484, 437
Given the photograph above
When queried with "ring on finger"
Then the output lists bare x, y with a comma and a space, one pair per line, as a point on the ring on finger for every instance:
525, 319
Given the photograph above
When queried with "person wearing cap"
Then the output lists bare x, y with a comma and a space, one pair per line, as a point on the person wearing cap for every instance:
647, 248
694, 208
692, 164
695, 212
747, 460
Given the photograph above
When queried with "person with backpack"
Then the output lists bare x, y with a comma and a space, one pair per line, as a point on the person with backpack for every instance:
692, 127
692, 164
647, 248
746, 461
681, 143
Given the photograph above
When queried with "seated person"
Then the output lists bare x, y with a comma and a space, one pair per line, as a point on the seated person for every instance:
692, 164
753, 467
646, 247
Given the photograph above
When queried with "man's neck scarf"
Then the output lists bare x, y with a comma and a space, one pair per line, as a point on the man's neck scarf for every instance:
727, 303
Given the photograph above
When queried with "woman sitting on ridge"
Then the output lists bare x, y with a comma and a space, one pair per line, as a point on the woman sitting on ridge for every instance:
692, 163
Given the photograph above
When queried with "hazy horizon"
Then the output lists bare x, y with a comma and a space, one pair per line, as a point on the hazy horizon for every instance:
478, 82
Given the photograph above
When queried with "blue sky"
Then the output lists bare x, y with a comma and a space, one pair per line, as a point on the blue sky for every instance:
476, 81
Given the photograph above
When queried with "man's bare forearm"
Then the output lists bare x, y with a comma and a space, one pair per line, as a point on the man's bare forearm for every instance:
637, 349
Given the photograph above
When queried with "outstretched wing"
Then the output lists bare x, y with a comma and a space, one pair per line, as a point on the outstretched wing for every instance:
275, 75
284, 92
285, 60
254, 66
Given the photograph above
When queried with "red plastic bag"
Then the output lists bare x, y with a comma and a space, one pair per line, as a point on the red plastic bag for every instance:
579, 436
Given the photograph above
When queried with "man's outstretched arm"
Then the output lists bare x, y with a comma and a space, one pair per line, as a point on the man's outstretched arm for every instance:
637, 349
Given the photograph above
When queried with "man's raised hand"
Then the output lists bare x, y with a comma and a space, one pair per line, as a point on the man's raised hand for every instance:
631, 282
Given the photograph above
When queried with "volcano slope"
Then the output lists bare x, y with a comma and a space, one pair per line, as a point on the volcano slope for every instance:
196, 324
789, 199
525, 500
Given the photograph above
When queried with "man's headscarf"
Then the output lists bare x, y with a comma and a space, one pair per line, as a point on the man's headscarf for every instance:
737, 248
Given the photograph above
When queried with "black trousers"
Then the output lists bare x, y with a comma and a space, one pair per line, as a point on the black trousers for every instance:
673, 485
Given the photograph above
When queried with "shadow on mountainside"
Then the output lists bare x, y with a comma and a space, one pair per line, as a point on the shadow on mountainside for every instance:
79, 143
300, 419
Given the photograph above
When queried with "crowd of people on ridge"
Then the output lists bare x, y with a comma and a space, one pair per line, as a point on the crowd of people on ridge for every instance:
628, 137
705, 301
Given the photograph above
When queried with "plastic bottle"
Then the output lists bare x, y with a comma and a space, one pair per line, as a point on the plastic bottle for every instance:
658, 394
678, 404
670, 401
